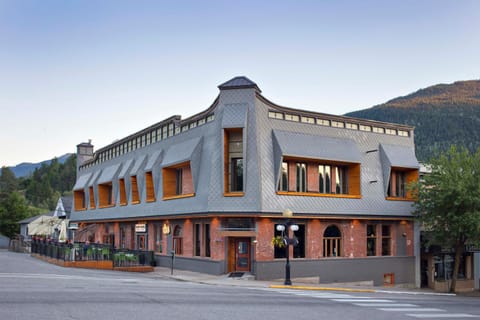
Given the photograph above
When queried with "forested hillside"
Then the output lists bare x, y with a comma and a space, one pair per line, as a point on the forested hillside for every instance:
442, 115
38, 193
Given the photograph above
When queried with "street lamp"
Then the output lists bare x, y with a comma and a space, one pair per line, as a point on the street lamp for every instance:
284, 229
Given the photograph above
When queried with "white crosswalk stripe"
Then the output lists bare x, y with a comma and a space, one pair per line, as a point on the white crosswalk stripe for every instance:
386, 305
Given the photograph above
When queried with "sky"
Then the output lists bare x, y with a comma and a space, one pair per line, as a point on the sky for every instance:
74, 70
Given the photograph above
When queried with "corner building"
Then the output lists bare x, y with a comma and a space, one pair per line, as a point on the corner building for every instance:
212, 188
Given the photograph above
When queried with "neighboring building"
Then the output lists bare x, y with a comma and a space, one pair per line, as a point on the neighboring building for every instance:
213, 187
62, 211
4, 241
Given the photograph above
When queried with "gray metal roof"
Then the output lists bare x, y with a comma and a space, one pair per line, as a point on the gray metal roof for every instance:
125, 167
153, 159
238, 83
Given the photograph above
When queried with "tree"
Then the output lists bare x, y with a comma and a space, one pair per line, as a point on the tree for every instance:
448, 202
13, 208
8, 181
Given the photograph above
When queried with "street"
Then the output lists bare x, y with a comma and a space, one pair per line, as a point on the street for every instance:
33, 289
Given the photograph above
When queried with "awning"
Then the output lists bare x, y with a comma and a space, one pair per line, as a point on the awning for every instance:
125, 167
108, 173
396, 156
94, 178
152, 160
300, 145
82, 181
399, 156
45, 226
190, 150
181, 152
235, 115
138, 163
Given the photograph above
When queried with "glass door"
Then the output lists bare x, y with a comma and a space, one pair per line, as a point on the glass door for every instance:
242, 254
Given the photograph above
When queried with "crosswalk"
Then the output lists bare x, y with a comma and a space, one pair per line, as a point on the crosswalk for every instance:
386, 305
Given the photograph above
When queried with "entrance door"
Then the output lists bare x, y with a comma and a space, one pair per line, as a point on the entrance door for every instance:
242, 254
141, 242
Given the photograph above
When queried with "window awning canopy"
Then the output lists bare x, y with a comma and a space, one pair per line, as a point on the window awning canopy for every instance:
300, 145
82, 181
190, 150
398, 157
152, 160
125, 167
108, 173
137, 165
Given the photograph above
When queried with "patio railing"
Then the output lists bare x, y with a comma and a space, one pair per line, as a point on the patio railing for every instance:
80, 251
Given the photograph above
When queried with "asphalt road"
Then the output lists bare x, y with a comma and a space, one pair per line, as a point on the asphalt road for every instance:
33, 289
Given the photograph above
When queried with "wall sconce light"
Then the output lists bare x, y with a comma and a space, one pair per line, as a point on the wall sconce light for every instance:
166, 229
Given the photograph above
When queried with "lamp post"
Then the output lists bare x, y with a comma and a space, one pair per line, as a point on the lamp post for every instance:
284, 228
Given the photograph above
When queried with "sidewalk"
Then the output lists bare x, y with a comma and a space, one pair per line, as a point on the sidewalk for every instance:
248, 280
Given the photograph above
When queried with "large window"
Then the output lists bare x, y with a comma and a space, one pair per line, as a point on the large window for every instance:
386, 241
122, 192
105, 195
283, 183
332, 242
79, 200
177, 240
301, 177
299, 235
134, 188
91, 196
398, 183
371, 240
332, 179
233, 161
178, 181
149, 186
319, 179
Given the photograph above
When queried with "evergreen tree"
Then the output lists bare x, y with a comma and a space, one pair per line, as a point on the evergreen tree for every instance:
13, 208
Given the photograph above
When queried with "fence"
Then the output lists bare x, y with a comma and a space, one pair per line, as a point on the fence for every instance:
80, 251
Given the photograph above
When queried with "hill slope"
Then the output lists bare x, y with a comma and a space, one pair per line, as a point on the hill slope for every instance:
25, 169
443, 115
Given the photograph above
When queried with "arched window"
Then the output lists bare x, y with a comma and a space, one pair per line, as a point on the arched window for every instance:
332, 242
177, 240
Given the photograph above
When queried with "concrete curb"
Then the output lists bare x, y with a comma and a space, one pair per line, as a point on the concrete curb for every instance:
321, 288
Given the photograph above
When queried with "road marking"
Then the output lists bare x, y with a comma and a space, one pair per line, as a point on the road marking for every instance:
361, 300
385, 305
442, 315
417, 309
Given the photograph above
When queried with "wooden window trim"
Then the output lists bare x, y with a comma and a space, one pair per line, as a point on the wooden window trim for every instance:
123, 192
234, 194
411, 175
79, 200
149, 186
316, 194
169, 175
187, 195
353, 178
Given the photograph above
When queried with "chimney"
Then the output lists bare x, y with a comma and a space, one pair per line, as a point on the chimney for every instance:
84, 152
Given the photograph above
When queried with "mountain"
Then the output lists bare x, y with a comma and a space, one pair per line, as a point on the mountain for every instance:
442, 115
25, 169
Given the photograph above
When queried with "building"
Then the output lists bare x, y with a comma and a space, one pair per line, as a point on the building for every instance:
212, 189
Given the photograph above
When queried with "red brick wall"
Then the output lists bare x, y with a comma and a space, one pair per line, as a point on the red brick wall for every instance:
187, 183
264, 248
312, 177
217, 242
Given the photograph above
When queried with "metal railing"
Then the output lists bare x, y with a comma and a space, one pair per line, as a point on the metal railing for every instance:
80, 251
